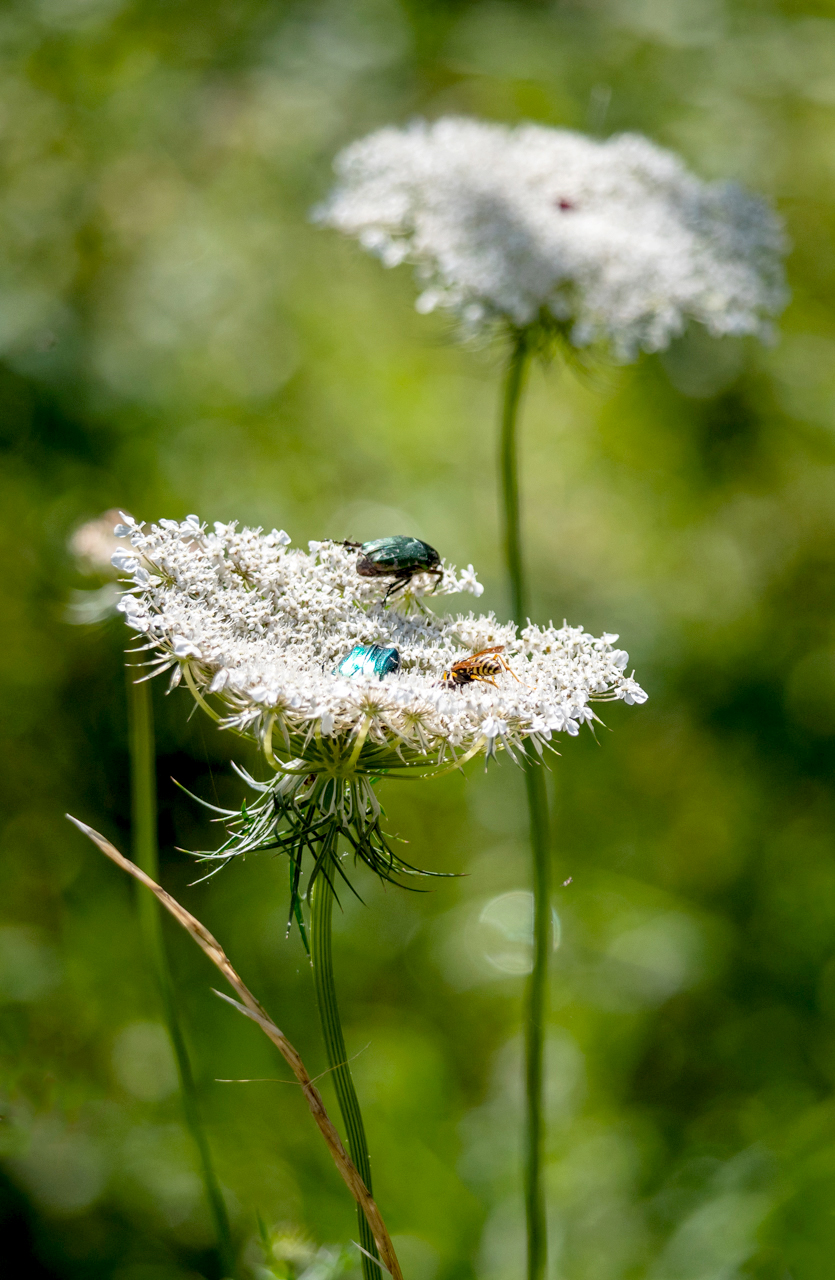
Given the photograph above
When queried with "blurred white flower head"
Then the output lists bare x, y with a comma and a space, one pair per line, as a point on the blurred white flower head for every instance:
92, 546
94, 543
615, 240
265, 627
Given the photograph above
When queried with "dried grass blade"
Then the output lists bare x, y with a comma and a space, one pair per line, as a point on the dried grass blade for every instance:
250, 1006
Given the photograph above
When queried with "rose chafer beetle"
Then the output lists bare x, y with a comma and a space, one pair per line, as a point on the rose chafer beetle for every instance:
399, 558
370, 660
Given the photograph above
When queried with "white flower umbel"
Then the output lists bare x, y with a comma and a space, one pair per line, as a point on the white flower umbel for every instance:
263, 627
613, 240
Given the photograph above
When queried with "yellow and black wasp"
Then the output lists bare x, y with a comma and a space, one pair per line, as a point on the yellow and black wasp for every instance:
480, 667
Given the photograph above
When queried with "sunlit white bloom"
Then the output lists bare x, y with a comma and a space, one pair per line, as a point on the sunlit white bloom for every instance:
615, 239
263, 627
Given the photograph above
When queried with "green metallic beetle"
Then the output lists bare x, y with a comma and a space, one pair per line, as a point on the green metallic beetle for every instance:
397, 557
370, 660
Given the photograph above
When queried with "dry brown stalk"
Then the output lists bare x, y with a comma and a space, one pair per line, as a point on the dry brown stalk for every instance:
250, 1006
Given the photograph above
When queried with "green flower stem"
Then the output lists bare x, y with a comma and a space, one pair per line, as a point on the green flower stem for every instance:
535, 1014
517, 369
535, 1004
322, 957
145, 855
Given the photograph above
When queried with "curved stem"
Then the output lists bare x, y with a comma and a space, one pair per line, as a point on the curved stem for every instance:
537, 1235
322, 957
146, 856
250, 1007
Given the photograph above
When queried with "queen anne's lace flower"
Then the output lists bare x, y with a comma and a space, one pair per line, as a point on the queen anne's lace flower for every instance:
264, 627
615, 239
260, 629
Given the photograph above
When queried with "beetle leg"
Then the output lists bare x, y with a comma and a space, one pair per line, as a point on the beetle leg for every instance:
401, 578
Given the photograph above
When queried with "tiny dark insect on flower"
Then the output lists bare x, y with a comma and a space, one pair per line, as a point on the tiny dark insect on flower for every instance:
370, 660
480, 667
397, 557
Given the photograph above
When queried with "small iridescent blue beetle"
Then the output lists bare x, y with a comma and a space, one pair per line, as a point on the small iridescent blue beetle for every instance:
398, 557
370, 660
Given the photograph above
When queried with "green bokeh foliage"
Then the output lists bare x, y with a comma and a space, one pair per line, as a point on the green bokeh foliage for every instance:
176, 337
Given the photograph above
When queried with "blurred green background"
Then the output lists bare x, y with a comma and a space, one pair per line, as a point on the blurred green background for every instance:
176, 337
